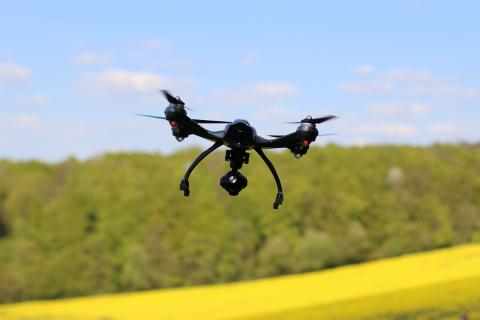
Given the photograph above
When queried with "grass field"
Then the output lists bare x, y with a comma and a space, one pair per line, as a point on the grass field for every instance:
442, 284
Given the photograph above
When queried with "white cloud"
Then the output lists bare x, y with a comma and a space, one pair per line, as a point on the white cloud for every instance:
260, 92
408, 81
370, 87
394, 109
26, 136
410, 75
19, 120
159, 54
363, 70
34, 100
12, 75
442, 128
7, 55
124, 81
451, 90
27, 120
393, 129
418, 109
277, 114
93, 58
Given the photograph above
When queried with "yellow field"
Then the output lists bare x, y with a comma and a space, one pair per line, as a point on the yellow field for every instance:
442, 284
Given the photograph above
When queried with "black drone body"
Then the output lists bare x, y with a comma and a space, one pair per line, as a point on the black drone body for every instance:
239, 136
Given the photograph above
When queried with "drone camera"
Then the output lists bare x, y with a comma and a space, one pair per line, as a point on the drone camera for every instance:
233, 182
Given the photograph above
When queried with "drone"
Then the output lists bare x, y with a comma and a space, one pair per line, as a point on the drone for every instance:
239, 136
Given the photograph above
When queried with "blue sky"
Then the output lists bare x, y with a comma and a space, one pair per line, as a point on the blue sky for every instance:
73, 74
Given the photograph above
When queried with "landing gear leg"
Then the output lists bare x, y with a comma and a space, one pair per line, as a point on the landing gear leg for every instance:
184, 185
279, 198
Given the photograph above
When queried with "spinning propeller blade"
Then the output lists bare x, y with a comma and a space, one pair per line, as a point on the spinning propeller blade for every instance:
311, 120
172, 99
147, 115
196, 120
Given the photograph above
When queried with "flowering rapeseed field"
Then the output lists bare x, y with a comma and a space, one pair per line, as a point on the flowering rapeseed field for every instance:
442, 284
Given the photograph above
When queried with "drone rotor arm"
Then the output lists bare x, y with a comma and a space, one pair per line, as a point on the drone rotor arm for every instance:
210, 121
279, 141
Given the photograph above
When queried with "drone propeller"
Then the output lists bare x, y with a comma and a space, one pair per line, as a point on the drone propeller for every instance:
322, 134
196, 120
311, 120
172, 99
147, 115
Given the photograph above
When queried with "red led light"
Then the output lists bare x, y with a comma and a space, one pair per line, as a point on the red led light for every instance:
173, 123
306, 142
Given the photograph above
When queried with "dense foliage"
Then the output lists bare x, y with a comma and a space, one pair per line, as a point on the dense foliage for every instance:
118, 222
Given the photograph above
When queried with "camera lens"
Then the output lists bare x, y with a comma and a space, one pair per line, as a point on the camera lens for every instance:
233, 182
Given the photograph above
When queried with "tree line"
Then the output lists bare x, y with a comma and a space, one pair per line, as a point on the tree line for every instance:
118, 222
